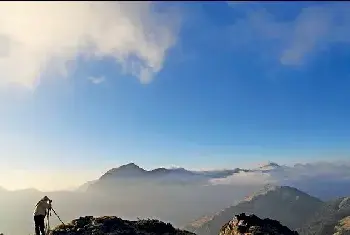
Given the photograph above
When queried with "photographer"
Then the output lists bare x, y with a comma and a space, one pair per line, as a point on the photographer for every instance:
41, 210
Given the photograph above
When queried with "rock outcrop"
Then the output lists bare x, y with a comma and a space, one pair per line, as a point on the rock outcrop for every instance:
111, 225
243, 224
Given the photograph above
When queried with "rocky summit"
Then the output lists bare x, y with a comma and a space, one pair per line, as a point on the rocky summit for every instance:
111, 225
243, 224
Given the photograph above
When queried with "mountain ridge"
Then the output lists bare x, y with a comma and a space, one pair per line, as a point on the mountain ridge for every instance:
271, 201
133, 168
332, 218
132, 171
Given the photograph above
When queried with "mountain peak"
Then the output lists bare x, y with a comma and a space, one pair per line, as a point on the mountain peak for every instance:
269, 166
283, 191
129, 166
273, 164
128, 170
133, 171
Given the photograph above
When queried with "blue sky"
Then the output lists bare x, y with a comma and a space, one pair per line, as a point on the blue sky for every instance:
206, 85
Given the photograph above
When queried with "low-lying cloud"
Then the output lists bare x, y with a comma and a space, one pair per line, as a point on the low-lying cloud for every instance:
322, 179
33, 34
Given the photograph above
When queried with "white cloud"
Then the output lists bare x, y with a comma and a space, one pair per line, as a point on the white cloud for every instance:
245, 178
314, 29
97, 80
32, 34
321, 179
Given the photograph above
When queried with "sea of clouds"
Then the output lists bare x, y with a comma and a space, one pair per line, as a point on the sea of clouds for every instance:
322, 179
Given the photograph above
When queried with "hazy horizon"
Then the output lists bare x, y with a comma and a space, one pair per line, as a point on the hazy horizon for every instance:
60, 181
70, 178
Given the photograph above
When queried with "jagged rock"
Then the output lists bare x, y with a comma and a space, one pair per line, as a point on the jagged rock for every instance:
112, 225
344, 204
343, 227
243, 224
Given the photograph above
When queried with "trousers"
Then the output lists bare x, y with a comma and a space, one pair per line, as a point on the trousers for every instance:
39, 221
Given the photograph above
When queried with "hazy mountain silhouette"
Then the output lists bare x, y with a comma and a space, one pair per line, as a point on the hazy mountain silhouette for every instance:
286, 204
131, 173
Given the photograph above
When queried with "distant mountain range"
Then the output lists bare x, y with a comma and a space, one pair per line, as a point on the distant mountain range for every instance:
309, 177
132, 173
132, 170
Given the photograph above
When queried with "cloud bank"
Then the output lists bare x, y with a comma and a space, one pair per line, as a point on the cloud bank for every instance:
322, 179
314, 29
34, 34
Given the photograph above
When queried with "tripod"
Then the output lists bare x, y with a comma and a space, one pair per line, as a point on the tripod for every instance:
58, 217
48, 220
